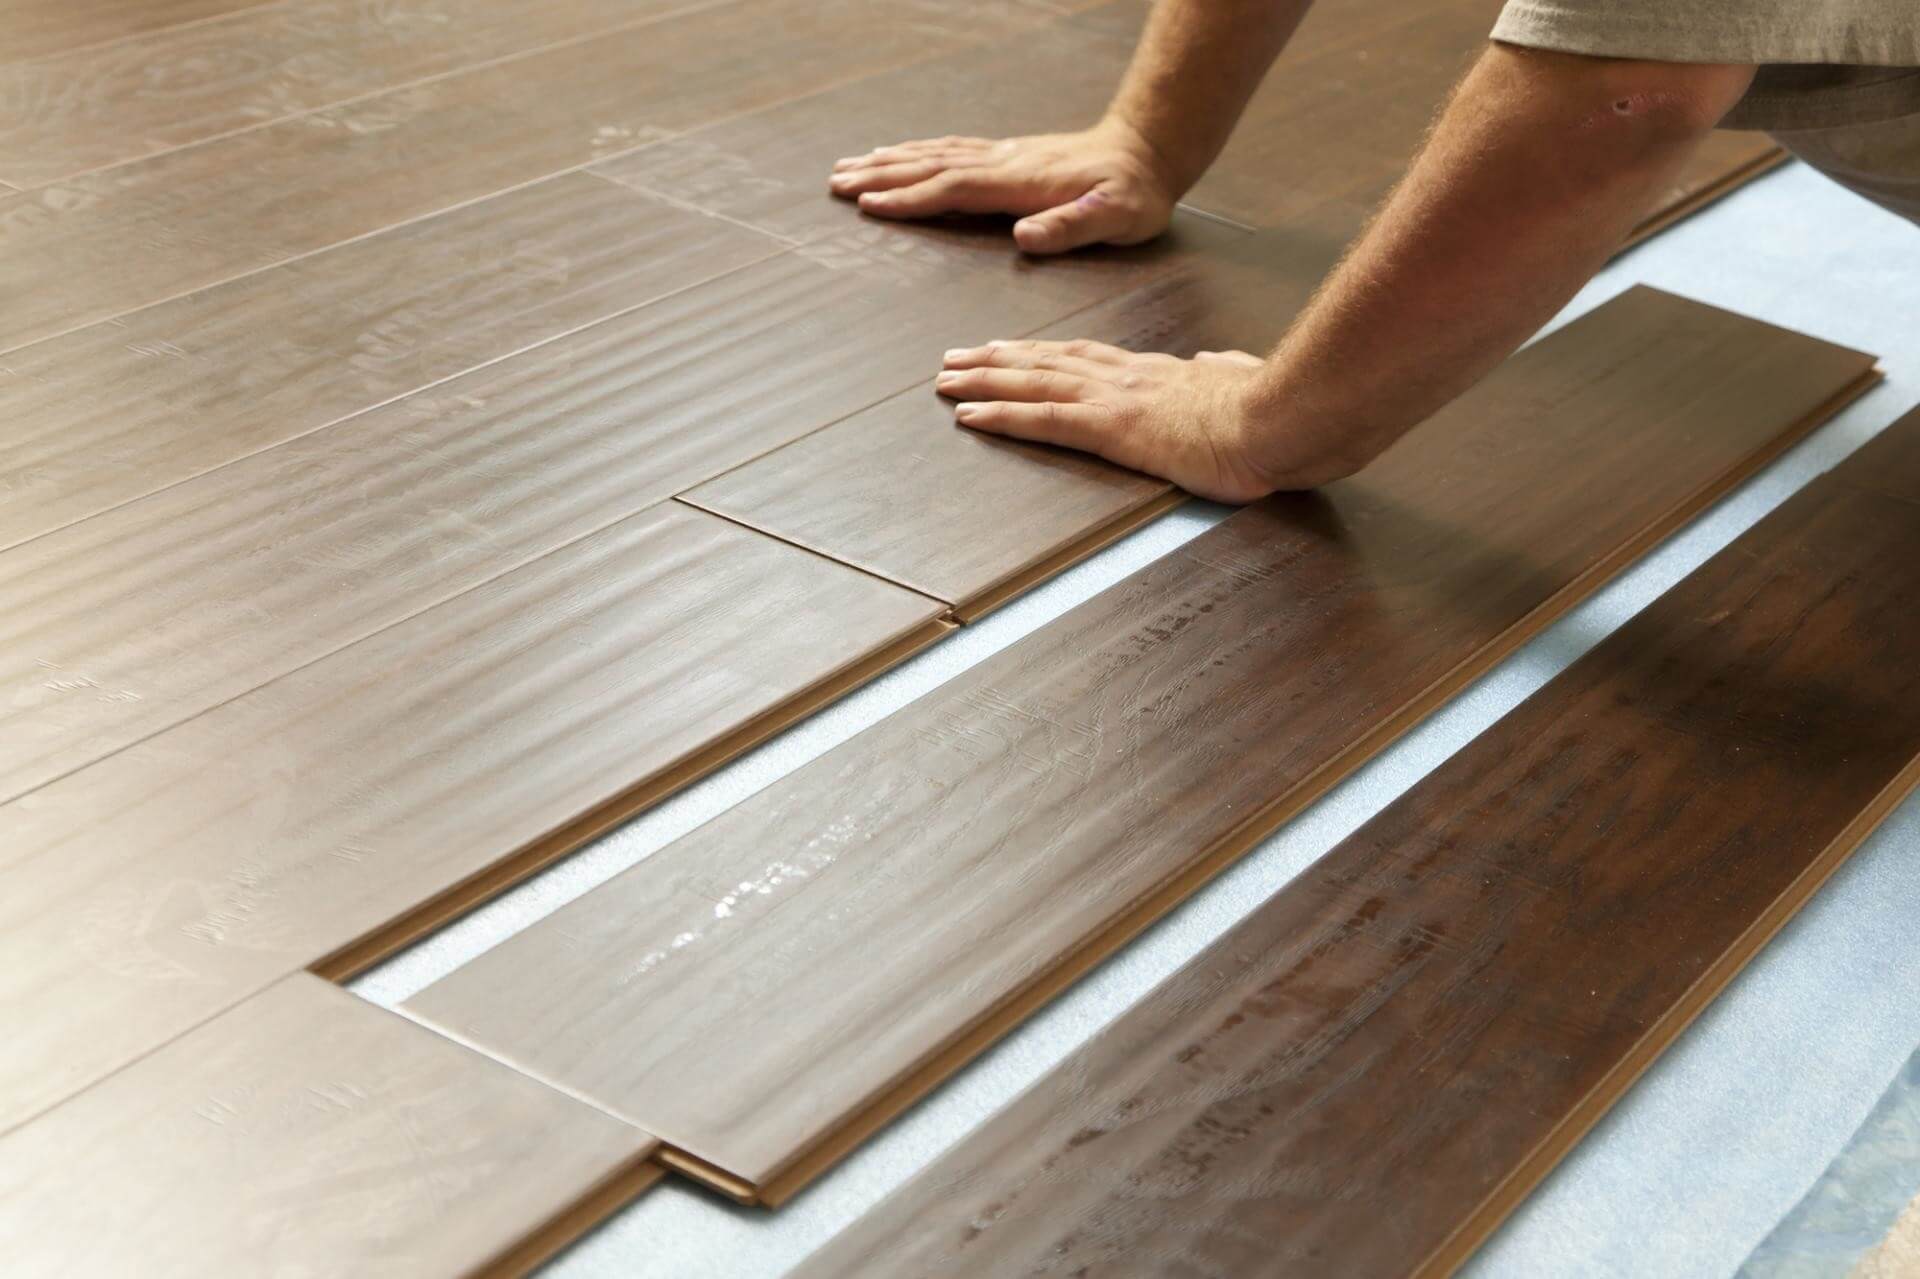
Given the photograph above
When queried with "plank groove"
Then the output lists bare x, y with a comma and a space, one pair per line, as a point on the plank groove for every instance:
1368, 1073
350, 805
45, 30
121, 409
219, 210
307, 1132
109, 104
139, 618
873, 919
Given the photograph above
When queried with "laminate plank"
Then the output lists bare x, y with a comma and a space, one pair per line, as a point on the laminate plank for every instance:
208, 213
127, 407
1367, 1074
326, 818
307, 1132
40, 30
112, 103
902, 492
997, 837
131, 621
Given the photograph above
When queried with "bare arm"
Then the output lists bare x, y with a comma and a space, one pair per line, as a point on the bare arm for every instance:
1537, 169
1197, 63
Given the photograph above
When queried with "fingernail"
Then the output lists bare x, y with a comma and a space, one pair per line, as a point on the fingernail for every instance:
958, 353
966, 412
946, 379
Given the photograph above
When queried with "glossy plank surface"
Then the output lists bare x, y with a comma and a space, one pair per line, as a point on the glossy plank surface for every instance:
319, 819
306, 1132
122, 409
996, 837
210, 212
36, 30
109, 104
901, 491
131, 621
1365, 1075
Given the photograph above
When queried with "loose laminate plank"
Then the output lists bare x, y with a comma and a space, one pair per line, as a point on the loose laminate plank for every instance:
211, 212
307, 1132
124, 624
124, 408
111, 103
1366, 1075
326, 818
901, 491
764, 992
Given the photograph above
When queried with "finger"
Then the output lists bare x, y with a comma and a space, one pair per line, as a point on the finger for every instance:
952, 191
1095, 217
1074, 426
1024, 354
1243, 358
1021, 355
1021, 385
914, 151
883, 177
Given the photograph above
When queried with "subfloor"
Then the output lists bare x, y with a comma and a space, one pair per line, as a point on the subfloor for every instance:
1727, 1131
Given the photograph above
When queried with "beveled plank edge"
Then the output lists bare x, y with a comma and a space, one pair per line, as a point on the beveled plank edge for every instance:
349, 961
130, 36
1098, 538
1453, 1251
897, 1095
688, 8
1695, 201
589, 1210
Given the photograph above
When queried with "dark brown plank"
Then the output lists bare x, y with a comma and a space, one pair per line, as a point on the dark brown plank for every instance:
125, 408
35, 30
968, 518
331, 815
139, 618
1367, 1074
308, 1132
113, 103
208, 213
994, 839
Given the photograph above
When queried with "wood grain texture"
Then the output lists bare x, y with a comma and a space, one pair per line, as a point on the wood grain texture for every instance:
305, 1132
125, 408
109, 104
336, 812
1365, 1076
901, 491
764, 992
126, 623
36, 30
208, 213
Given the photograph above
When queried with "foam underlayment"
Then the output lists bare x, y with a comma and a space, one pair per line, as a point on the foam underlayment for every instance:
1724, 1134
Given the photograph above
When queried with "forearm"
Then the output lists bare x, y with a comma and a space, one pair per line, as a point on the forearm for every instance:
1537, 170
1197, 64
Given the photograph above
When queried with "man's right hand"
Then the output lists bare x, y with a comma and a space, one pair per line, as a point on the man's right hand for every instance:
1068, 189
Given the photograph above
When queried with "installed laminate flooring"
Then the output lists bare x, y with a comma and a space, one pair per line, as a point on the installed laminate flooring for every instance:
901, 491
111, 103
124, 408
123, 624
306, 1132
764, 992
43, 30
203, 214
342, 809
1367, 1074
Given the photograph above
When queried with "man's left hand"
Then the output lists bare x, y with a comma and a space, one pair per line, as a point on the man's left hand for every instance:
1189, 421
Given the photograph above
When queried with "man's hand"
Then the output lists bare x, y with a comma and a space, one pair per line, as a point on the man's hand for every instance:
1189, 421
1067, 189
